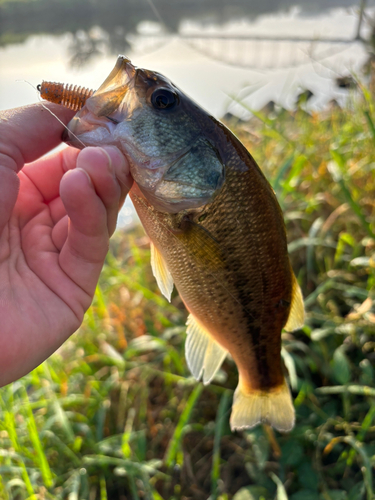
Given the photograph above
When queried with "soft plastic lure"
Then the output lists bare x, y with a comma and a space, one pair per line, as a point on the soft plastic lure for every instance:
70, 96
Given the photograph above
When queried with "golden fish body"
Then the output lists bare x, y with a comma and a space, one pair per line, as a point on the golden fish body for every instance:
216, 229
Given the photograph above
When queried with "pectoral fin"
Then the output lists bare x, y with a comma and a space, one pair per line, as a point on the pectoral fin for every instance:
297, 311
203, 354
161, 272
203, 247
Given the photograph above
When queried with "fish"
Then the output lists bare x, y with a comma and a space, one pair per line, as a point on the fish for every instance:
216, 230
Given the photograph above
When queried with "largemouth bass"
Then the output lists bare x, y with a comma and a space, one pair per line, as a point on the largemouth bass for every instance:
216, 231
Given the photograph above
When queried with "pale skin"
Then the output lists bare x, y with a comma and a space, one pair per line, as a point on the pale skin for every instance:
57, 214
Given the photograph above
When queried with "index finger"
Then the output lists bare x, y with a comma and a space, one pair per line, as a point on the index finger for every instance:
29, 132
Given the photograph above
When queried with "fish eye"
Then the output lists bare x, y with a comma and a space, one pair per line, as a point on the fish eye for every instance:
164, 99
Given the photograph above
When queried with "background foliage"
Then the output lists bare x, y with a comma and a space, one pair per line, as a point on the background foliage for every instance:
115, 413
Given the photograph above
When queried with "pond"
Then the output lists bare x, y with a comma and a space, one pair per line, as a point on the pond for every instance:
229, 58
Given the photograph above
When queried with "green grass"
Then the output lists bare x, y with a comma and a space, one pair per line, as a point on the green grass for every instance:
115, 413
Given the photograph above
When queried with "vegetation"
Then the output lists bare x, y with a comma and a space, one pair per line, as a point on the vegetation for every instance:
115, 413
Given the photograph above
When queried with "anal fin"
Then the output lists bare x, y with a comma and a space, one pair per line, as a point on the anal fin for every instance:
161, 272
252, 407
296, 317
204, 355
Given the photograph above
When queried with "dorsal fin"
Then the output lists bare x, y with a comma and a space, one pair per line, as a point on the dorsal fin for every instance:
203, 354
161, 272
297, 311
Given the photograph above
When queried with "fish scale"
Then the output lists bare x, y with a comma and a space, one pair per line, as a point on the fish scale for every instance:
216, 231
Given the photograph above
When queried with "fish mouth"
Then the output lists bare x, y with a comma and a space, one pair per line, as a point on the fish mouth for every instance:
86, 129
121, 95
108, 106
112, 91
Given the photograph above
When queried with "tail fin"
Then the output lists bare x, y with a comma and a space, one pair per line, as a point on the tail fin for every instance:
253, 407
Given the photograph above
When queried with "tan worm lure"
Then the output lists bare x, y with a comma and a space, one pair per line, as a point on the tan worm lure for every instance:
70, 96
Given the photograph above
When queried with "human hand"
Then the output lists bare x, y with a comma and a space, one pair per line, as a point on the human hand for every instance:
56, 217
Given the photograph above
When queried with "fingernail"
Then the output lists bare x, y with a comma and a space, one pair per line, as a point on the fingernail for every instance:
95, 156
110, 164
81, 170
118, 160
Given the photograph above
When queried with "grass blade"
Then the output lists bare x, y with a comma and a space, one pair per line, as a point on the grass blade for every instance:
103, 489
11, 428
184, 419
370, 123
220, 420
37, 445
281, 492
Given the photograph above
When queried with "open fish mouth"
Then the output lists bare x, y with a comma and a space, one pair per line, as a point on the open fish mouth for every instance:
107, 107
123, 94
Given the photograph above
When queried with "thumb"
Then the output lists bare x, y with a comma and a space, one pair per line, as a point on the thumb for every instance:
25, 135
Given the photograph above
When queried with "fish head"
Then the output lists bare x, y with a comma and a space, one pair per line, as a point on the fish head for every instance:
174, 163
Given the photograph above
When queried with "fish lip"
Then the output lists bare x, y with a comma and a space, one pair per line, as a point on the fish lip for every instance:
130, 69
75, 134
111, 93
